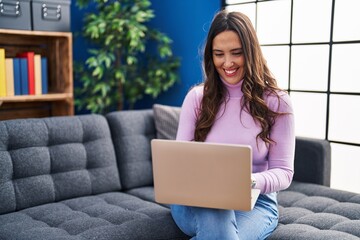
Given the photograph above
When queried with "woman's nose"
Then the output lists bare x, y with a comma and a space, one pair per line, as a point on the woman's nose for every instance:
228, 63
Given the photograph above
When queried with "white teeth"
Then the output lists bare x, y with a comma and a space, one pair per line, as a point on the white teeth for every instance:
230, 71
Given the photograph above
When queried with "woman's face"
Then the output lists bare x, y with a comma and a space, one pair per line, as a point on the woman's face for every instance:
228, 57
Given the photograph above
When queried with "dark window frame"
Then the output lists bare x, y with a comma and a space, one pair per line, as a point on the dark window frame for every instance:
331, 43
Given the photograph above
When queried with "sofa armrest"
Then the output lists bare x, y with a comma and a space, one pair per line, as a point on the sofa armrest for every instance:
312, 161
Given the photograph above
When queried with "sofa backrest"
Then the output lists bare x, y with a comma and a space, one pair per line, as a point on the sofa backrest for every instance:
51, 159
132, 132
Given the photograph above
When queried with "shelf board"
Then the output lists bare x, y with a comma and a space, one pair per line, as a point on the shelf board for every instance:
35, 33
31, 98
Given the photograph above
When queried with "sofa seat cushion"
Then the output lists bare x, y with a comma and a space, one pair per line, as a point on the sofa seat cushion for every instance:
146, 193
310, 211
307, 211
112, 215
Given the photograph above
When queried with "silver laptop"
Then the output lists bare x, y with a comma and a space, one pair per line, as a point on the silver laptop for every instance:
203, 174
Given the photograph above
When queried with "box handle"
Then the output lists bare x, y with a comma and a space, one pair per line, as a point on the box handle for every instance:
52, 13
10, 9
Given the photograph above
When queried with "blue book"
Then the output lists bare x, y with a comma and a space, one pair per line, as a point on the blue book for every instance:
44, 76
17, 77
24, 76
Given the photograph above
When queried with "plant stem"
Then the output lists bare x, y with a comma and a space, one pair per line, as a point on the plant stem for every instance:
120, 88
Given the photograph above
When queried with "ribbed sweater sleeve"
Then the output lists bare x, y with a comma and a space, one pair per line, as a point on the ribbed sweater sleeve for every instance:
280, 158
188, 114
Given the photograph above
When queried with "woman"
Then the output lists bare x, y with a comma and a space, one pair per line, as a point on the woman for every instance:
239, 103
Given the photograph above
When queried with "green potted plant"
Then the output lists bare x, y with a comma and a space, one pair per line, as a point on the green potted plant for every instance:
129, 60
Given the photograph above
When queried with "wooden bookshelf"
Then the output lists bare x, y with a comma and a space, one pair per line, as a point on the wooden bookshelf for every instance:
57, 48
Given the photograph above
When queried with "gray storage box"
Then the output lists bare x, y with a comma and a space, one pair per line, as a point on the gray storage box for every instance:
51, 15
15, 14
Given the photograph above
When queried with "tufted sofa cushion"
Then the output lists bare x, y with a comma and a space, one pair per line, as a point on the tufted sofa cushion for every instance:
107, 216
53, 159
311, 211
131, 134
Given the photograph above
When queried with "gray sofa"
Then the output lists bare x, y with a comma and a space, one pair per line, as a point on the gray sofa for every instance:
90, 177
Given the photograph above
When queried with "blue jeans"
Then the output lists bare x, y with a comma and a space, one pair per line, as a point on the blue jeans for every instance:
206, 223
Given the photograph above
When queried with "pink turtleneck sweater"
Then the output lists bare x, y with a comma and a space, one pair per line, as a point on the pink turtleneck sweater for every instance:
273, 166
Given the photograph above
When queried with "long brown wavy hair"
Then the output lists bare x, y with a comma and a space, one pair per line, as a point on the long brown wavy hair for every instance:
257, 80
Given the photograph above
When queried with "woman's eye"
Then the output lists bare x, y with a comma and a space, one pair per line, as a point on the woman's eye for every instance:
218, 54
237, 53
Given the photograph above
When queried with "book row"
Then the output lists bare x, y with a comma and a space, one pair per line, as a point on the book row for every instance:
26, 74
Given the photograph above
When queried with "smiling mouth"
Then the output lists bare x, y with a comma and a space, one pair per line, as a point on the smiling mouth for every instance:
230, 72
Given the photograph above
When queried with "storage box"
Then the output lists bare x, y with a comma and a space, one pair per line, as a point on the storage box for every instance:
51, 15
15, 14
